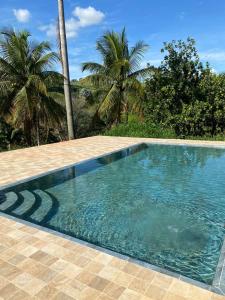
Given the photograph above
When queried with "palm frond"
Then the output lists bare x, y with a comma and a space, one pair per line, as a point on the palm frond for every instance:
142, 73
93, 67
108, 108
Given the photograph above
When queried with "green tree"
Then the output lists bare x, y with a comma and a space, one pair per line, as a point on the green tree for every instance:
206, 115
27, 96
118, 74
176, 82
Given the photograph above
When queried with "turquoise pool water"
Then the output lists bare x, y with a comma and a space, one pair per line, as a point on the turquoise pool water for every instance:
161, 204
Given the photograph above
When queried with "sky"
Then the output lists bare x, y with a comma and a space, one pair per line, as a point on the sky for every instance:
152, 21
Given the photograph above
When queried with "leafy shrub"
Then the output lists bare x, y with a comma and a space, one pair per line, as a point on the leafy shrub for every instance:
141, 129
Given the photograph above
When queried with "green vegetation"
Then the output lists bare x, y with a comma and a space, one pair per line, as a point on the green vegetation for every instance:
28, 100
182, 98
117, 77
135, 128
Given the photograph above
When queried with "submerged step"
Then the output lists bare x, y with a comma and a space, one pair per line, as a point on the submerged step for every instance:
39, 215
8, 200
26, 205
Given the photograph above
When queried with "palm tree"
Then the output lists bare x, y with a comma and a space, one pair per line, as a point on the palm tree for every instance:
27, 96
66, 73
118, 75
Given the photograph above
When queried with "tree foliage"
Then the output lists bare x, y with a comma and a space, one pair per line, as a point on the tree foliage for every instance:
27, 96
184, 94
117, 76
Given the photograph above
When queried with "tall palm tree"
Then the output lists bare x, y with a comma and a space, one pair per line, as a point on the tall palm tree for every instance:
27, 96
118, 75
66, 73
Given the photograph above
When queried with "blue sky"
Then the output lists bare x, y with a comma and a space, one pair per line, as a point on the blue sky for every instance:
148, 20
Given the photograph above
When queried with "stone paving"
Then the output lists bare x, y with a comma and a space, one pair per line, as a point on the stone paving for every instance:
35, 264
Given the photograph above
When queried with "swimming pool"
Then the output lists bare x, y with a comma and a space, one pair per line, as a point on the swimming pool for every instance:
161, 204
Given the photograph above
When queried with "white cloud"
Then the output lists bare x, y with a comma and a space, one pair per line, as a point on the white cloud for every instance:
214, 70
22, 15
88, 16
213, 55
72, 27
50, 29
82, 17
182, 15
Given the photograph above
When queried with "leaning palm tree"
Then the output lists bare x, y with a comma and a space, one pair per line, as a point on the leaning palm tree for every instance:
66, 72
118, 75
28, 98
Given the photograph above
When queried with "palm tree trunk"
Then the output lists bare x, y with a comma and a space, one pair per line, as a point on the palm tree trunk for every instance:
37, 130
27, 132
120, 106
126, 111
65, 65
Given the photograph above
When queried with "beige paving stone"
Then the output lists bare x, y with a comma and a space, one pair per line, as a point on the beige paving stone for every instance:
155, 292
81, 261
17, 234
59, 265
146, 274
104, 297
28, 229
89, 293
91, 253
78, 285
94, 267
123, 279
30, 239
85, 277
131, 269
22, 279
129, 295
28, 251
34, 286
59, 280
48, 292
71, 257
20, 295
103, 258
139, 285
9, 271
179, 288
3, 282
114, 290
99, 283
171, 296
8, 291
46, 275
70, 291
17, 259
7, 254
32, 267
7, 241
162, 280
197, 293
38, 255
62, 296
71, 270
217, 297
109, 273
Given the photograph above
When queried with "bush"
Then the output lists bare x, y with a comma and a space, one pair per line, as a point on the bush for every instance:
141, 129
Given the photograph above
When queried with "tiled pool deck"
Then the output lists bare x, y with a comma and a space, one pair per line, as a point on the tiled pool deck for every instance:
36, 264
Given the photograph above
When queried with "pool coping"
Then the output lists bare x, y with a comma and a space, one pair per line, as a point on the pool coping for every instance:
218, 285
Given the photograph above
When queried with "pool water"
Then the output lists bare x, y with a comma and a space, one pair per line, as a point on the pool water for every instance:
161, 204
